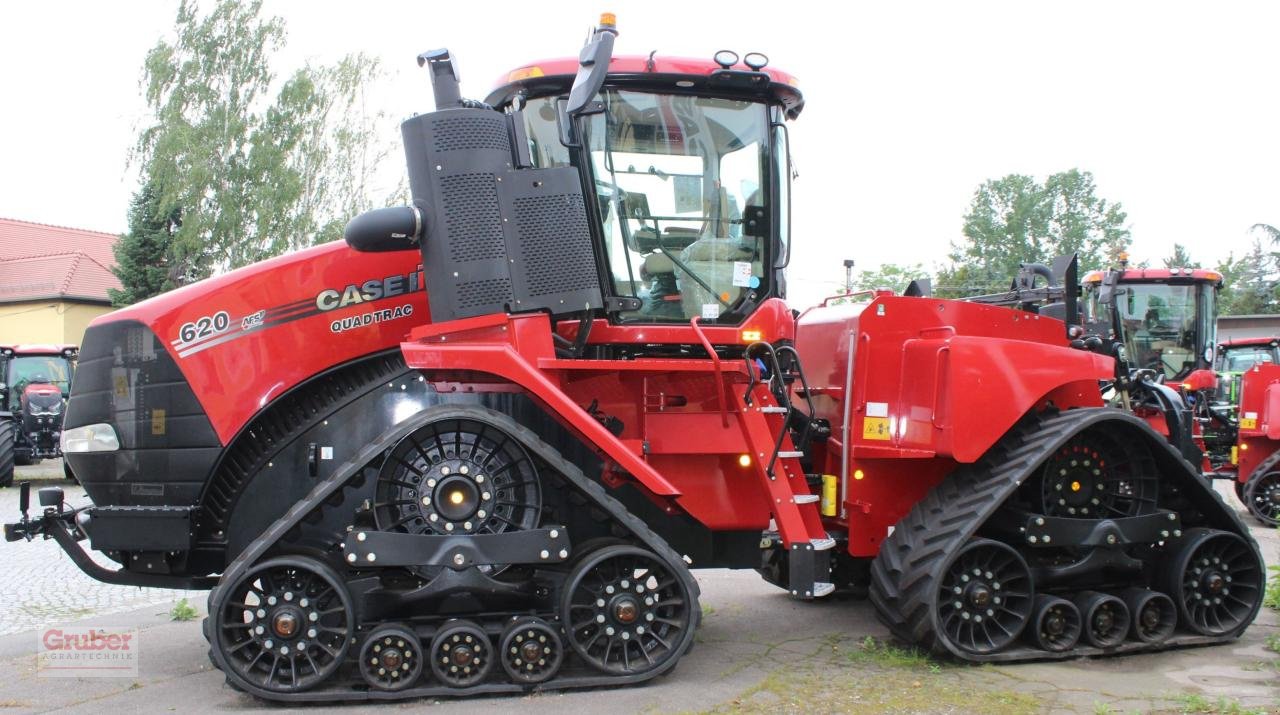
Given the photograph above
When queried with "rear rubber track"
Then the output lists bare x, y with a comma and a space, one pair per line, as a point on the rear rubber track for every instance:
905, 574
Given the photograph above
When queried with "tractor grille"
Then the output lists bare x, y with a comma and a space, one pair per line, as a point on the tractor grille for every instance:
554, 241
472, 217
281, 423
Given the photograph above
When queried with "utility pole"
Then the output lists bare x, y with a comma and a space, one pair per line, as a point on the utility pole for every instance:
848, 275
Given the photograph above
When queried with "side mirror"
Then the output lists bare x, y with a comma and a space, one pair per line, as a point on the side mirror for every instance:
593, 65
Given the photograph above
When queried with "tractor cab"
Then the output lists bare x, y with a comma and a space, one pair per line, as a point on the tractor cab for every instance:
35, 383
1169, 316
687, 160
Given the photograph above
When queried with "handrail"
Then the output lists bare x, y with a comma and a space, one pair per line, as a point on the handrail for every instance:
827, 301
715, 361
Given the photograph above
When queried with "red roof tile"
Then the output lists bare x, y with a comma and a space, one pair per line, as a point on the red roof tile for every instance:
40, 262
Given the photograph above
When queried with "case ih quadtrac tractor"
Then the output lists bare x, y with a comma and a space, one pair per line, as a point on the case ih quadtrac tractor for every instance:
35, 381
479, 447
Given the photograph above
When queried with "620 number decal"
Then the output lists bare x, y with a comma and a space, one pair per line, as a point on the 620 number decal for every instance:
204, 326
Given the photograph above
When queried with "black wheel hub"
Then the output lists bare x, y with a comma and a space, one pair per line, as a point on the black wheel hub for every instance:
457, 477
1219, 581
1104, 621
391, 658
461, 655
286, 625
531, 650
626, 610
1055, 623
1150, 616
984, 597
1262, 497
1096, 476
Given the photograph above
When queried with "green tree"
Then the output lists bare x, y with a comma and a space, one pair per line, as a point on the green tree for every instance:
1249, 283
893, 276
1015, 219
141, 254
255, 167
1180, 258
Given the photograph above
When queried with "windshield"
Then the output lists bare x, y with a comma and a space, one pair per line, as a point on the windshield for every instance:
1161, 324
1243, 358
30, 369
681, 186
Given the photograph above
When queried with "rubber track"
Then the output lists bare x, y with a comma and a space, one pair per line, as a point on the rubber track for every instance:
911, 560
344, 473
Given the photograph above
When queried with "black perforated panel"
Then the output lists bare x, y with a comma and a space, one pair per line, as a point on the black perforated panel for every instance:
481, 293
470, 131
555, 240
472, 217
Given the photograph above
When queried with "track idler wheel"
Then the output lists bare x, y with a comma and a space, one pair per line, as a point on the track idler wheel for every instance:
1105, 617
1216, 579
1153, 615
530, 650
627, 611
1261, 495
985, 597
461, 655
285, 626
1055, 624
391, 658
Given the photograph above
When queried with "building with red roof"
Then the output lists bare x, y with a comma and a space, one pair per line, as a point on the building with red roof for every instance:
53, 281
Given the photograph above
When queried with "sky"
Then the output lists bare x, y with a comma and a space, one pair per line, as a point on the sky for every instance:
910, 106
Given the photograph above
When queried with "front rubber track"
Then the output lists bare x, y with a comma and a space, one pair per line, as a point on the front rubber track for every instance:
351, 468
911, 560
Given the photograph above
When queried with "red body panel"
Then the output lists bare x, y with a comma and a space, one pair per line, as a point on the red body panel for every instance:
1259, 417
284, 324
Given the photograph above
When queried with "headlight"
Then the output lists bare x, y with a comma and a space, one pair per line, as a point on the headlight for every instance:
91, 438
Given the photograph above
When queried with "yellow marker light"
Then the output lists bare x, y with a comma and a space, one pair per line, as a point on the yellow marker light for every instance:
608, 19
525, 73
744, 460
1244, 446
456, 497
1124, 256
752, 336
1075, 486
857, 474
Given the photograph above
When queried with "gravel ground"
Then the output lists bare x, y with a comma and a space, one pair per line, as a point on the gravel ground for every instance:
758, 651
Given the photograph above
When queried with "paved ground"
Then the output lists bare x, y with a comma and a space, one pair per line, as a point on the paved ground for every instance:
758, 651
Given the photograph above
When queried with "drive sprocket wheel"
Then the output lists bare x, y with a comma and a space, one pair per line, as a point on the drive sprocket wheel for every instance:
1215, 579
1262, 497
391, 658
457, 476
285, 626
626, 610
1098, 476
984, 597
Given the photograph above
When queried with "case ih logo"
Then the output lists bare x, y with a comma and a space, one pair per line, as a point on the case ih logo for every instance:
103, 652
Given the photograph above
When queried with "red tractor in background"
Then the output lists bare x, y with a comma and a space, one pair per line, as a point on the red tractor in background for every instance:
479, 447
35, 382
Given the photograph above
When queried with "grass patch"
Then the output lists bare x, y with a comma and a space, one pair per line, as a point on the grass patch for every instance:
1272, 597
886, 655
897, 691
183, 611
1273, 642
1193, 703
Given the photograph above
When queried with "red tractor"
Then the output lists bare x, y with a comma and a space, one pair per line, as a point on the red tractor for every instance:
480, 446
35, 381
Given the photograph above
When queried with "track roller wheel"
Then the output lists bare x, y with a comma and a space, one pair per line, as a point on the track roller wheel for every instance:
286, 625
530, 650
984, 597
627, 611
1152, 613
1261, 496
1216, 579
1055, 624
1106, 618
391, 658
461, 655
